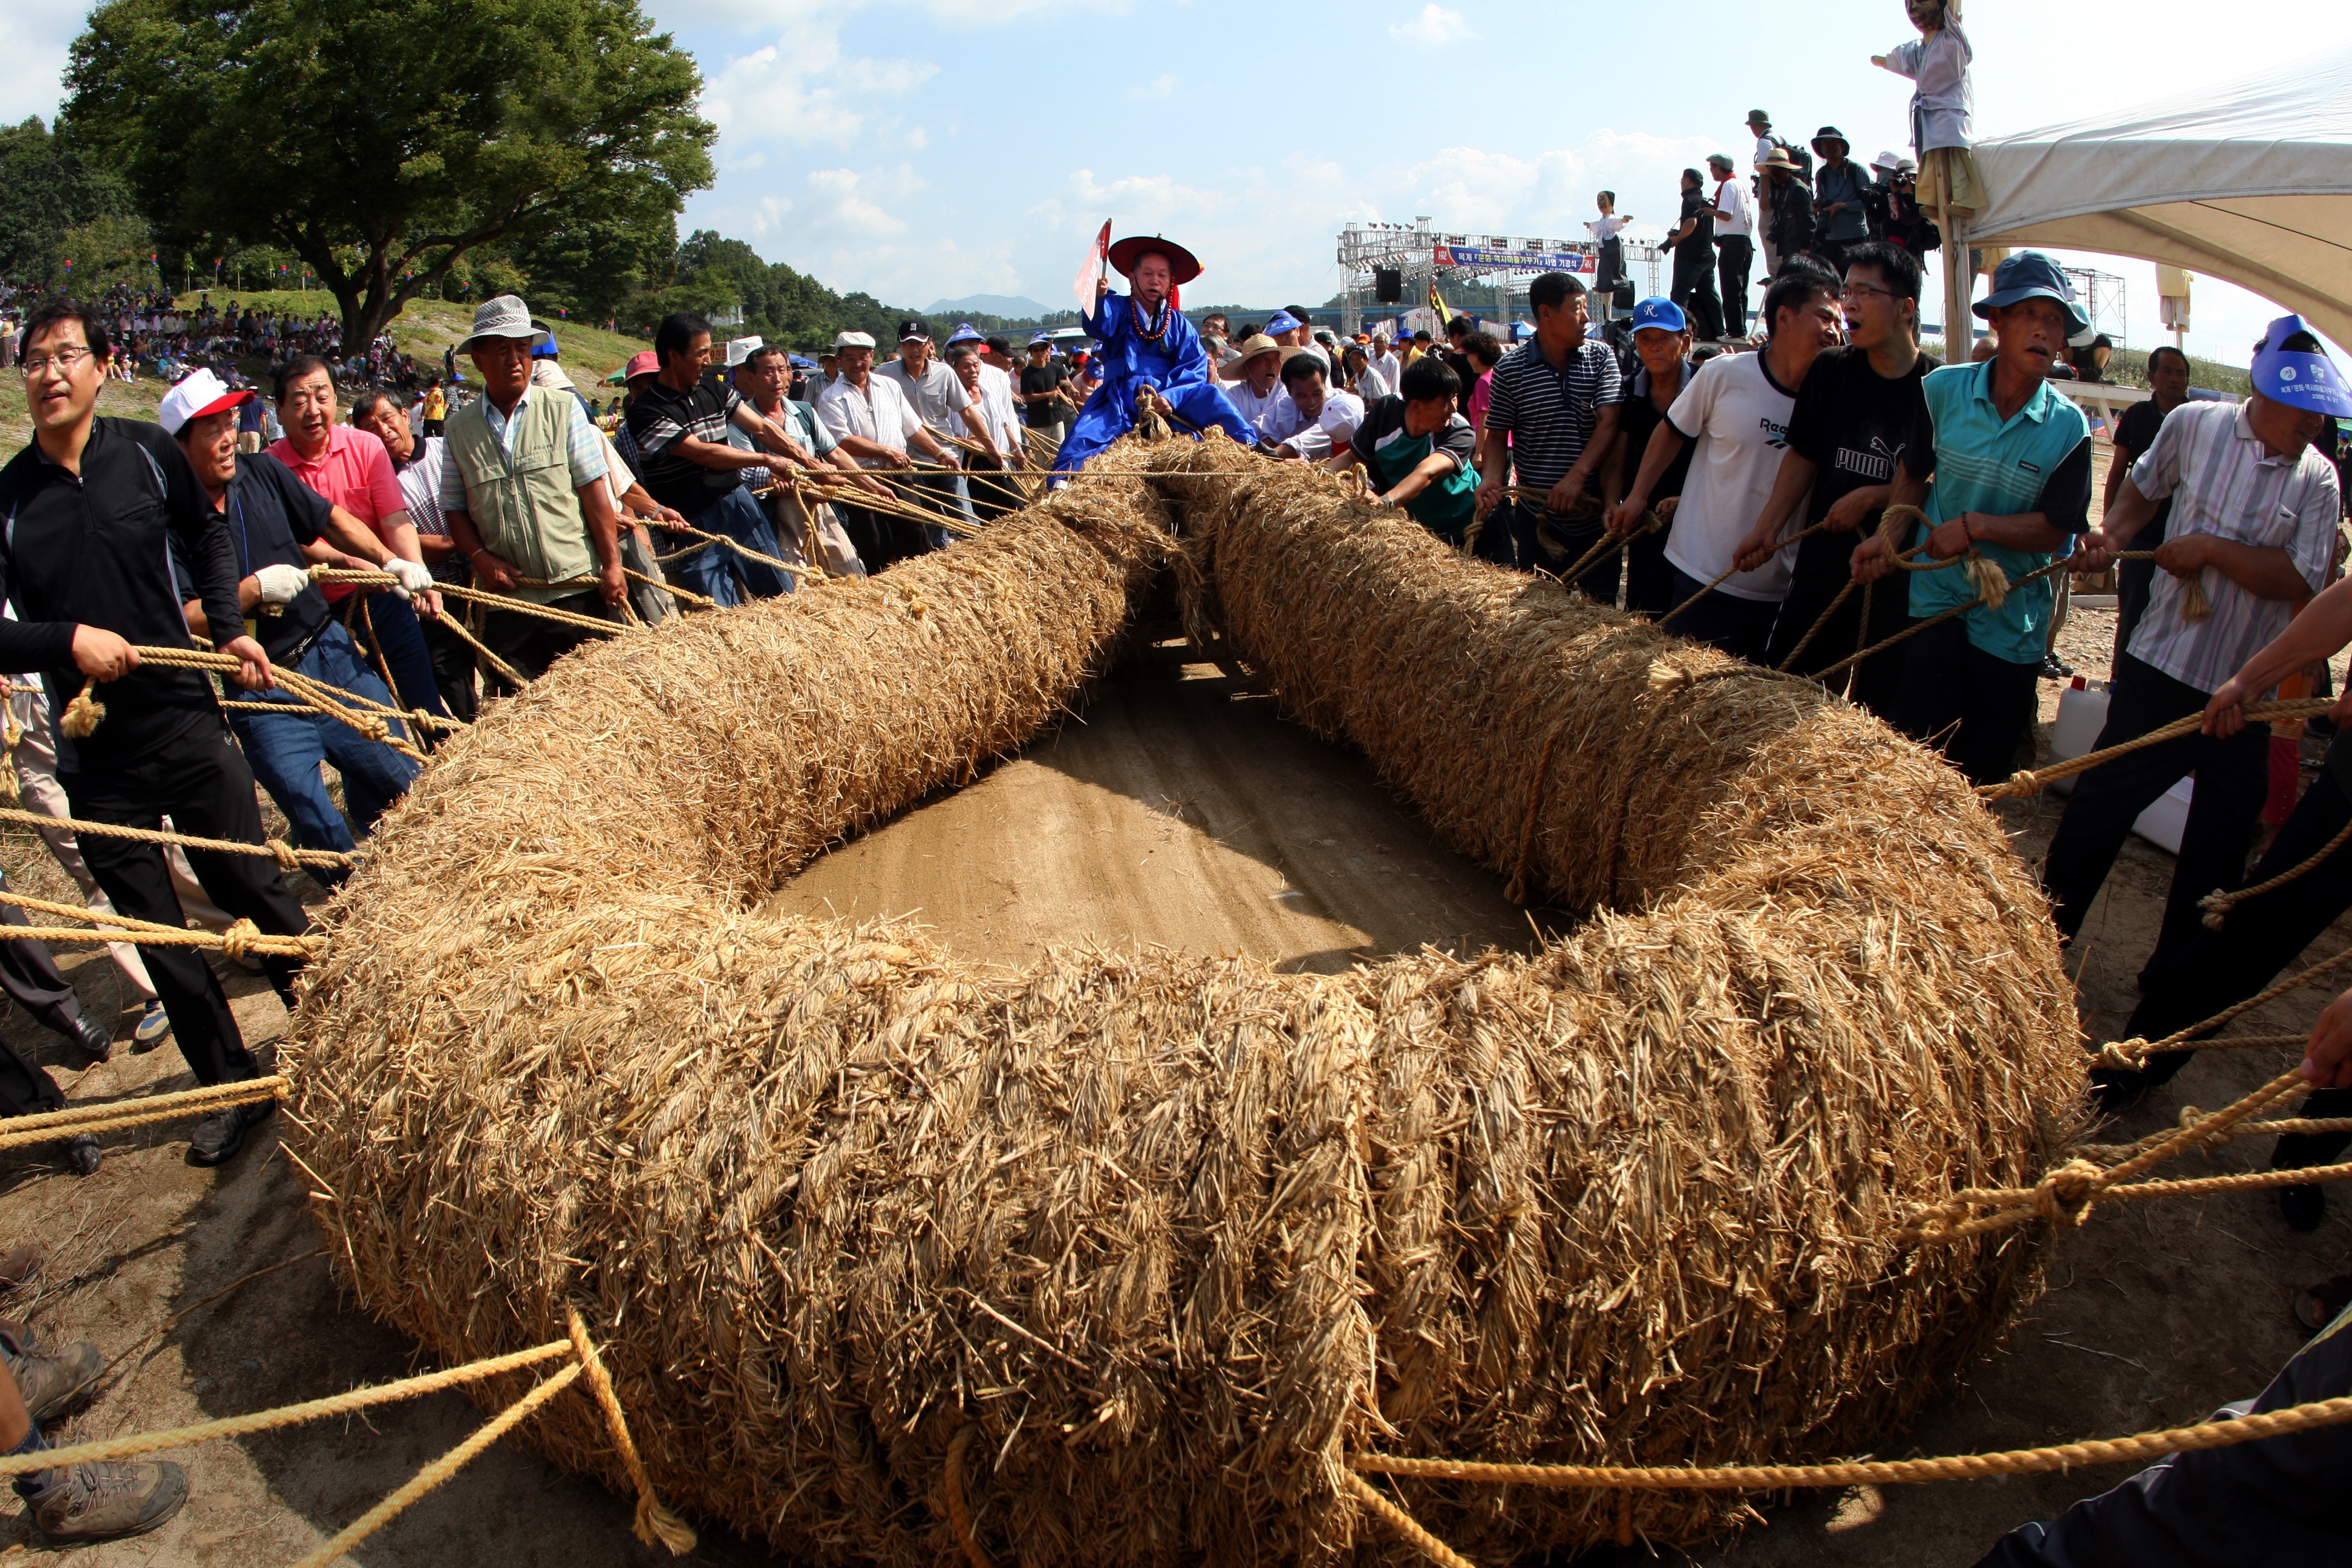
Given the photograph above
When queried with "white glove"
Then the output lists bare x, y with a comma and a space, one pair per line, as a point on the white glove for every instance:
279, 583
411, 578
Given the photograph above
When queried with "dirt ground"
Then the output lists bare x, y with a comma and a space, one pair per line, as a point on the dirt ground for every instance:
1179, 808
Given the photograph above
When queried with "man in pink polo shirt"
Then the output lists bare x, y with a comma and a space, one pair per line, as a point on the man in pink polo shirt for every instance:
352, 469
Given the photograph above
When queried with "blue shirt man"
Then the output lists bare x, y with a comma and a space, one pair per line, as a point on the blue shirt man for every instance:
1147, 342
2011, 465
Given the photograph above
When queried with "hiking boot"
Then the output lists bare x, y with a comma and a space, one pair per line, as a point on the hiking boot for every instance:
83, 1153
104, 1502
154, 1029
50, 1382
89, 1040
219, 1136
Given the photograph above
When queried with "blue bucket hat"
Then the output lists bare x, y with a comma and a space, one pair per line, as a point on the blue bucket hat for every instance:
1283, 321
2297, 377
1660, 311
2030, 275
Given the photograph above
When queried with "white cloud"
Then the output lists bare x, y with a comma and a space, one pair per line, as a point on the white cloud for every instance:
1437, 25
33, 40
1163, 86
803, 88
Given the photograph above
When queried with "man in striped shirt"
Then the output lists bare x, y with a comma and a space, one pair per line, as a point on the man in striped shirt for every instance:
1552, 414
2254, 506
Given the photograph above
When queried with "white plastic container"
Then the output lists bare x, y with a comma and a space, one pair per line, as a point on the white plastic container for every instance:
2082, 715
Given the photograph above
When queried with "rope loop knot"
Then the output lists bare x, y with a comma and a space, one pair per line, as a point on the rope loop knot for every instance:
2063, 1196
238, 940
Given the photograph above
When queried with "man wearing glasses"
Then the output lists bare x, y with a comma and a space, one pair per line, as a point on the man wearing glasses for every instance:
1857, 408
90, 513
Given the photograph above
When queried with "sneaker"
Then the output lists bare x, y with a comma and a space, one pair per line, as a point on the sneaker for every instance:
105, 1502
2321, 1305
219, 1136
89, 1040
154, 1029
50, 1382
2055, 668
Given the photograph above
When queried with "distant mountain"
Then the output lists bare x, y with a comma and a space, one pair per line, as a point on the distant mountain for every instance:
1011, 307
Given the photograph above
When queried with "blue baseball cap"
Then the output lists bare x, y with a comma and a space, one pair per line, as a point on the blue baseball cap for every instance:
1283, 321
965, 333
1657, 310
2030, 275
1045, 338
2297, 377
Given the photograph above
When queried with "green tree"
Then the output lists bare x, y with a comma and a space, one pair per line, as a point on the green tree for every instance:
380, 141
47, 189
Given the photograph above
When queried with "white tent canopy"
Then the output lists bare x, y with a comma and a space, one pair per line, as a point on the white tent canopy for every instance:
2251, 181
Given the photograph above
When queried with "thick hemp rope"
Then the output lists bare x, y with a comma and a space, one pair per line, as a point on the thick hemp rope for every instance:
115, 1115
277, 849
2029, 784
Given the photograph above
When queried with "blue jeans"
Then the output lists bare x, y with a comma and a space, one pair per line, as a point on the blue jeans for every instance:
400, 639
286, 753
713, 572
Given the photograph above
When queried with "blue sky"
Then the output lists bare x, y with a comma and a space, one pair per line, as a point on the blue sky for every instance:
920, 149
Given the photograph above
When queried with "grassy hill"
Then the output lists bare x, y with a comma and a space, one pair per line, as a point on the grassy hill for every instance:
424, 328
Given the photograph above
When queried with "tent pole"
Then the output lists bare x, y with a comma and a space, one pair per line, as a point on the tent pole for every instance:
1959, 341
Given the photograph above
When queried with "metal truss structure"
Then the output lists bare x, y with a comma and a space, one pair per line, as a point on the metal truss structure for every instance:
1476, 272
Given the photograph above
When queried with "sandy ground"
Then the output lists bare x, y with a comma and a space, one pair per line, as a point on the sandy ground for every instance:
1180, 809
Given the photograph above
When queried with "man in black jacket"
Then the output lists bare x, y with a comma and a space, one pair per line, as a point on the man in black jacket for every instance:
89, 513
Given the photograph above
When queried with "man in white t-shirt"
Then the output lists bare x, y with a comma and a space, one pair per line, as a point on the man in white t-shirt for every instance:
1382, 364
1734, 244
1737, 408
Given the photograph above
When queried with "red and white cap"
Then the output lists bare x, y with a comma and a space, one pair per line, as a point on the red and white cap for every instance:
198, 393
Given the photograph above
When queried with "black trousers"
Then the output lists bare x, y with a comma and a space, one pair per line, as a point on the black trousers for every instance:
1968, 704
1734, 254
881, 538
992, 497
1560, 545
29, 974
2233, 779
202, 783
1693, 290
1649, 576
1825, 566
453, 667
2261, 937
531, 643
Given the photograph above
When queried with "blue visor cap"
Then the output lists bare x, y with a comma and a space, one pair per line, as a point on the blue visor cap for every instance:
1660, 311
2030, 275
964, 334
1041, 338
2297, 377
1283, 321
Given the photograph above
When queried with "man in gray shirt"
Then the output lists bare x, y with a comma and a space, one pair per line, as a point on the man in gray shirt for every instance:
949, 413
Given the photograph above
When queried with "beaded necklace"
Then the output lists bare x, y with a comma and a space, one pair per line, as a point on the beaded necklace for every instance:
1154, 334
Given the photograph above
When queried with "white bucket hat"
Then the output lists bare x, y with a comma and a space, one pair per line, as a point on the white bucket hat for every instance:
852, 340
503, 317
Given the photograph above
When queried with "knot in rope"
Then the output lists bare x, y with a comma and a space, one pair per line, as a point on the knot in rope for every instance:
375, 730
2217, 906
284, 852
2063, 1196
2194, 605
1991, 583
238, 940
83, 713
2023, 784
2122, 1055
1666, 680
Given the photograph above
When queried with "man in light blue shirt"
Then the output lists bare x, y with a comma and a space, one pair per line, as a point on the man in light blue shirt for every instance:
2011, 465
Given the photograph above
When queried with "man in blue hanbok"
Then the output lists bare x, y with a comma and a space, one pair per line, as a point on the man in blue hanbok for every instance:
1150, 354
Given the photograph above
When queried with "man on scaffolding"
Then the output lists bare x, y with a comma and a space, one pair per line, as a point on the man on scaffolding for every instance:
1151, 358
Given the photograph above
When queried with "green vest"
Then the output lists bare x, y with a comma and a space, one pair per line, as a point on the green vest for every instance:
523, 504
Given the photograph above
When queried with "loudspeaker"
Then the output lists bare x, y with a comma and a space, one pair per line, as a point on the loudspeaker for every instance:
1388, 285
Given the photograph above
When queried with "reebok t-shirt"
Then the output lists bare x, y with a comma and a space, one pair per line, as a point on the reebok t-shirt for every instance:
1738, 416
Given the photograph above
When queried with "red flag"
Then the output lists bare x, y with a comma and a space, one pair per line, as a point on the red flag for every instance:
1090, 275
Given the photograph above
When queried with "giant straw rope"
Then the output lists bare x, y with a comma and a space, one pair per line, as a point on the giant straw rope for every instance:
1155, 1242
